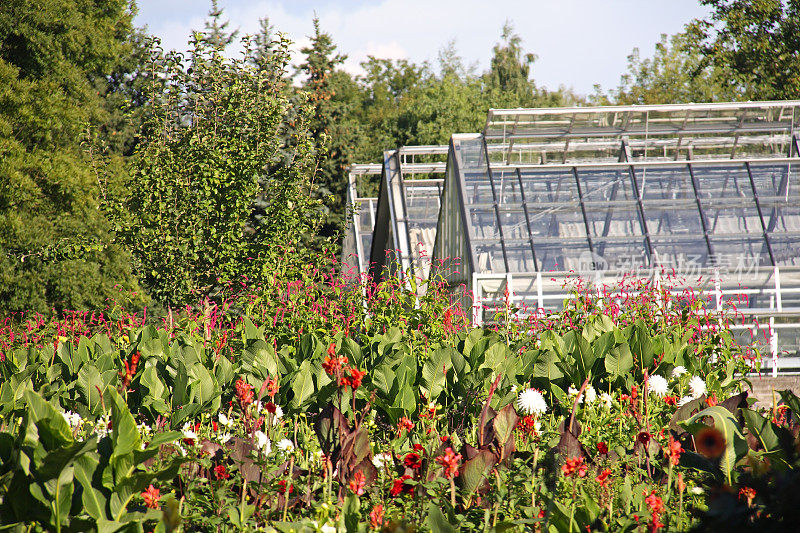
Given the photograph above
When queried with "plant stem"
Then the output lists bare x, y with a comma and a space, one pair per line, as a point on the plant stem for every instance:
453, 493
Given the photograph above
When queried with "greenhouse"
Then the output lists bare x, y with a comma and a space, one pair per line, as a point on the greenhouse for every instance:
698, 194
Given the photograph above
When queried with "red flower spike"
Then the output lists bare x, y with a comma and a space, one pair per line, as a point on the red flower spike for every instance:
376, 516
151, 497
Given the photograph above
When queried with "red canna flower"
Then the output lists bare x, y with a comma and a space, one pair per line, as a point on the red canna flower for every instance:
151, 497
214, 425
656, 506
413, 460
356, 376
130, 370
358, 482
674, 451
376, 516
220, 472
574, 465
602, 447
671, 400
602, 479
282, 487
404, 423
747, 493
244, 394
450, 462
712, 400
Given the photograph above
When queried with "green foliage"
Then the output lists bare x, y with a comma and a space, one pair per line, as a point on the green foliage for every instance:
676, 73
756, 42
56, 245
213, 147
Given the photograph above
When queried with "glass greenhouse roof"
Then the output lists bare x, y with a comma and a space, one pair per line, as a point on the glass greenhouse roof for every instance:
709, 193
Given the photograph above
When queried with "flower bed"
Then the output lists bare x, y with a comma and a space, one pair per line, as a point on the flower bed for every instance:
591, 420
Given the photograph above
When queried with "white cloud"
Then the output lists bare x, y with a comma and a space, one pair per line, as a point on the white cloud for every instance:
578, 42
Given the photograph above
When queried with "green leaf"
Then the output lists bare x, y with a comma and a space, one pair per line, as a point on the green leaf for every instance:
51, 425
619, 361
546, 366
93, 498
724, 421
436, 521
434, 377
89, 380
302, 384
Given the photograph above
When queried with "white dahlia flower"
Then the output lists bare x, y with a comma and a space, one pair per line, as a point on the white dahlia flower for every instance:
658, 385
531, 402
607, 400
572, 392
678, 371
285, 445
263, 442
591, 394
697, 386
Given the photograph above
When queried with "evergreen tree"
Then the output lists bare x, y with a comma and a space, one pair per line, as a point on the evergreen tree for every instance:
216, 33
328, 127
56, 245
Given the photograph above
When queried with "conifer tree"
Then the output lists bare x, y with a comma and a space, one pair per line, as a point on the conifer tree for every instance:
216, 33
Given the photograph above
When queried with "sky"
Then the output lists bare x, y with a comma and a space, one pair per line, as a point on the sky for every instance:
578, 43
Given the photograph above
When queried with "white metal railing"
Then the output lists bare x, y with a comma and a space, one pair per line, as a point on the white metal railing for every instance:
491, 291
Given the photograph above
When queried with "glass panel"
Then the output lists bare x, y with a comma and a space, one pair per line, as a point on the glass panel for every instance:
484, 223
668, 201
727, 199
520, 257
489, 256
778, 188
735, 254
786, 249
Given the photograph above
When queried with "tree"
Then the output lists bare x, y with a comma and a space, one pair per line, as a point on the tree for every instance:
56, 245
509, 73
216, 33
213, 145
757, 42
677, 73
328, 126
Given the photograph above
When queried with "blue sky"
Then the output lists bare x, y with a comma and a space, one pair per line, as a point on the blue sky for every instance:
578, 42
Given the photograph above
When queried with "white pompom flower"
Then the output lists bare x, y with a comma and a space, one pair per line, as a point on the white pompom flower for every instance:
678, 371
591, 394
607, 399
531, 402
697, 386
285, 445
263, 442
572, 392
657, 385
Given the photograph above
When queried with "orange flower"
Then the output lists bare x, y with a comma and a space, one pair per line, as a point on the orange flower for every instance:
710, 442
151, 497
358, 482
376, 516
356, 376
244, 394
747, 493
574, 465
602, 479
404, 423
450, 462
674, 451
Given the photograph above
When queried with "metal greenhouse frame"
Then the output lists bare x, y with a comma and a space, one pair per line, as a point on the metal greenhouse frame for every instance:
704, 193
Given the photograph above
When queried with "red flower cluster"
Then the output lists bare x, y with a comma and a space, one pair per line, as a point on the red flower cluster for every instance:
602, 479
130, 370
712, 400
358, 482
413, 461
272, 387
450, 462
399, 486
376, 516
404, 423
527, 426
674, 451
747, 493
282, 487
220, 472
151, 497
602, 447
574, 465
656, 506
346, 376
244, 394
671, 400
